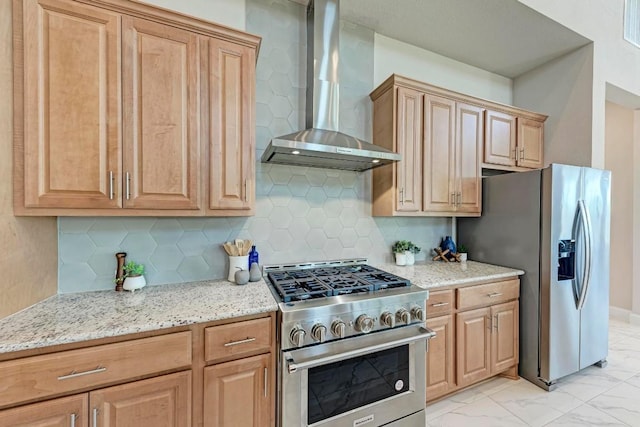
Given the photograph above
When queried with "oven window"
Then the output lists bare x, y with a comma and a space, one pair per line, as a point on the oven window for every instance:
342, 386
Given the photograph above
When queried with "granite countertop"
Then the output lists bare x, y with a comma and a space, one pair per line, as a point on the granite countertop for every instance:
438, 274
71, 318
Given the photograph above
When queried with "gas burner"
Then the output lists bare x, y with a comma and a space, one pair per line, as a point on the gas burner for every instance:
319, 280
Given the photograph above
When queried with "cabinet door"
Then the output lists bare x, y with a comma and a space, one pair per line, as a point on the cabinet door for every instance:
239, 393
231, 147
71, 105
530, 143
440, 360
439, 154
161, 401
409, 143
473, 341
500, 138
161, 116
64, 412
469, 139
504, 338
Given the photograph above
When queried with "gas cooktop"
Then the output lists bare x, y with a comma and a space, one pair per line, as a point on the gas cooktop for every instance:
321, 280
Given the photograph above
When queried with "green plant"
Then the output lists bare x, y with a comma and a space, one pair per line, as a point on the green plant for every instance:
462, 249
413, 248
132, 269
400, 246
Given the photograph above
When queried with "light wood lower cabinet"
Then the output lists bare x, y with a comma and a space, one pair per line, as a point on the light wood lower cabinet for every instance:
440, 360
238, 393
161, 401
476, 337
63, 412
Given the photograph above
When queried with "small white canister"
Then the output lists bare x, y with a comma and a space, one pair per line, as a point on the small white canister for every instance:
237, 263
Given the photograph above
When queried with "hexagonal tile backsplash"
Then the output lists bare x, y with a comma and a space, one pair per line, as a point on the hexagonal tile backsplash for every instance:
302, 214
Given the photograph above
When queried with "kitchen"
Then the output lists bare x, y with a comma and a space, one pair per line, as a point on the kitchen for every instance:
290, 202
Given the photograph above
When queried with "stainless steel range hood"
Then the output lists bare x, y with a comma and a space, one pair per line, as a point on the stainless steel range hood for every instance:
321, 144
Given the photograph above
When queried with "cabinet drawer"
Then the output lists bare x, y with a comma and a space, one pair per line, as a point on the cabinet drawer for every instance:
36, 377
439, 302
489, 294
237, 339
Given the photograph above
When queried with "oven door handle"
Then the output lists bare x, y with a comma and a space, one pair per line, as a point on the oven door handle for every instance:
293, 366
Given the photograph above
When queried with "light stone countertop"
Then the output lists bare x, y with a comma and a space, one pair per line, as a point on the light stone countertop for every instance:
71, 318
438, 274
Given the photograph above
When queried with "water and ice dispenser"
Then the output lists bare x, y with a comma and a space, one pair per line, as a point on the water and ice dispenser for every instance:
566, 259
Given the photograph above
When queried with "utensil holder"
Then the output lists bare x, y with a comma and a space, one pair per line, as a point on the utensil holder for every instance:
235, 263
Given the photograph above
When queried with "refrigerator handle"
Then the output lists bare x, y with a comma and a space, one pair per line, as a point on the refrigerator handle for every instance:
585, 217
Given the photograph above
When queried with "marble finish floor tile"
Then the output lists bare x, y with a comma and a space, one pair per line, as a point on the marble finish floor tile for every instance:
608, 396
481, 413
621, 402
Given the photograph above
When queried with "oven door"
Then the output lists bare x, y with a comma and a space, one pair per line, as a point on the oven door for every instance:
370, 380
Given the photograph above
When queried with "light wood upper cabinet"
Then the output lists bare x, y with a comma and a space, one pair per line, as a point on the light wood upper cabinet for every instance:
513, 142
530, 143
117, 108
231, 82
409, 145
70, 78
439, 174
160, 401
161, 107
238, 393
469, 138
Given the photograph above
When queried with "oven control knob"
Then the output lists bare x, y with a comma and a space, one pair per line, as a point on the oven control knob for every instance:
387, 319
319, 332
403, 316
417, 313
297, 336
364, 323
338, 328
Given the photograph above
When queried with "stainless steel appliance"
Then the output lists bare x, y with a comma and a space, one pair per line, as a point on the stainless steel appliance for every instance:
554, 225
321, 144
352, 343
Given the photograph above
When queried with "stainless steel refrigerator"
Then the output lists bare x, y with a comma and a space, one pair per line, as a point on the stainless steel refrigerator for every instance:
553, 224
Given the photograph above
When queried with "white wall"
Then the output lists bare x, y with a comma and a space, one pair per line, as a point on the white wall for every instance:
562, 89
226, 12
393, 56
618, 146
615, 60
636, 209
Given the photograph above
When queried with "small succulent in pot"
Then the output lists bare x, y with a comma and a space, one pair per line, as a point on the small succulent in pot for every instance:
133, 269
401, 246
413, 248
462, 249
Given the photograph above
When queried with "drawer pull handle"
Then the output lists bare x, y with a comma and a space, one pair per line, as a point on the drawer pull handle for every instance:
495, 294
244, 341
95, 417
266, 379
75, 374
73, 420
440, 304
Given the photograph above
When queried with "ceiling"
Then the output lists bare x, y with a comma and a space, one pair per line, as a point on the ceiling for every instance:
501, 36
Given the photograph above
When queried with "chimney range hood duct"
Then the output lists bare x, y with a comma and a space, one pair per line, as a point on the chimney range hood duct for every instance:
321, 144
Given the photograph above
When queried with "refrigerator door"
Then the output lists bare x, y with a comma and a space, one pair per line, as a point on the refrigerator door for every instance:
594, 315
559, 317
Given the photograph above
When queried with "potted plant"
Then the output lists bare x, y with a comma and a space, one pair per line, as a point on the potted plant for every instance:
400, 249
462, 251
411, 252
133, 276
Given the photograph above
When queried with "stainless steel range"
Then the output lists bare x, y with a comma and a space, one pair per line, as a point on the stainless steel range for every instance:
352, 343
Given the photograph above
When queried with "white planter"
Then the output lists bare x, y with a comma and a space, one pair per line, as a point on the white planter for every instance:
401, 258
134, 282
463, 256
411, 258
